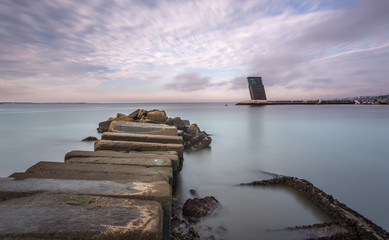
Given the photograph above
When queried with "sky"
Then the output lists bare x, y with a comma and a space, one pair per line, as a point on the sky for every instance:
191, 50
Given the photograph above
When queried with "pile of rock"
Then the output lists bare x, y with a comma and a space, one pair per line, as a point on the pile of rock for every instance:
194, 138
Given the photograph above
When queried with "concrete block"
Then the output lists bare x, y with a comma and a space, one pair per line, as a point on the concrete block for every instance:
147, 162
100, 176
142, 128
79, 153
137, 137
172, 155
70, 216
157, 191
136, 172
138, 146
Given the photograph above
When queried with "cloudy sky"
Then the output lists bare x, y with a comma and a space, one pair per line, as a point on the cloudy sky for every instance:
191, 50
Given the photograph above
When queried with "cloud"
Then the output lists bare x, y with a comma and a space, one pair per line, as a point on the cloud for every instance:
239, 83
95, 43
189, 82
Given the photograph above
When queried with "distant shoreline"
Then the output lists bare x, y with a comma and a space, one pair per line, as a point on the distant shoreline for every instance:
310, 102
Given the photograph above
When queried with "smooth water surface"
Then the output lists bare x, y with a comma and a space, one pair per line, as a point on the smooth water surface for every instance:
342, 149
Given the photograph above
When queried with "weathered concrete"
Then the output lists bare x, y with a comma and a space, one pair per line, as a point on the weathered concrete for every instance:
147, 162
136, 137
145, 128
172, 155
70, 216
157, 191
80, 153
100, 176
138, 146
135, 171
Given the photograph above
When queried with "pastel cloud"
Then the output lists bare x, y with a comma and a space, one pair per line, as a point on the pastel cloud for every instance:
125, 50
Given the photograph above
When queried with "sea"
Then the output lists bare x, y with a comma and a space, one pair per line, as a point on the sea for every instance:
341, 149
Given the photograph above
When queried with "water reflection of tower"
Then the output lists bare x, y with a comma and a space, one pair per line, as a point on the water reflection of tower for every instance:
257, 90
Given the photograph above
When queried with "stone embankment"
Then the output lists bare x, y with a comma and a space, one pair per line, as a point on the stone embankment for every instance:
122, 190
348, 224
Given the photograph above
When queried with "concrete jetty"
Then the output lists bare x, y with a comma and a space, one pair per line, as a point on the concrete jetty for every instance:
122, 190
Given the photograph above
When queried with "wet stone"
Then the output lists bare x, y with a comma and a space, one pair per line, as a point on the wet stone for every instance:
69, 216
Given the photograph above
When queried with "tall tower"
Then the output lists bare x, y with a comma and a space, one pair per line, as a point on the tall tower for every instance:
257, 90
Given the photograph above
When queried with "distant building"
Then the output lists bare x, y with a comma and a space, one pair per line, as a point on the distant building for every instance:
257, 90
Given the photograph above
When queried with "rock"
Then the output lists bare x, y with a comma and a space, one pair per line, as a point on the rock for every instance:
157, 116
193, 193
141, 113
201, 207
104, 126
169, 121
179, 123
194, 139
134, 114
186, 122
90, 139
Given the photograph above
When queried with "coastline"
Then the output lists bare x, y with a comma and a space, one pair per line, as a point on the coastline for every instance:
308, 102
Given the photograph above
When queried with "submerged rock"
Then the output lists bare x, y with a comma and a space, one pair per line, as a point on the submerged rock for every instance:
201, 207
90, 139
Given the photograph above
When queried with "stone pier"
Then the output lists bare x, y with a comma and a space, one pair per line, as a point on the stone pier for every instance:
122, 190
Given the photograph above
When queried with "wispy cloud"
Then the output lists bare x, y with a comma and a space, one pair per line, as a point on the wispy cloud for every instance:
71, 45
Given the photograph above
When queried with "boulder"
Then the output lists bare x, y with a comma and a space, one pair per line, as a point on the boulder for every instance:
89, 139
179, 123
141, 113
186, 122
201, 207
134, 114
176, 122
169, 121
157, 116
121, 115
194, 139
104, 126
124, 119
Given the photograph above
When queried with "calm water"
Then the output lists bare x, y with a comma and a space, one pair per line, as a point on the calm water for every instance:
342, 149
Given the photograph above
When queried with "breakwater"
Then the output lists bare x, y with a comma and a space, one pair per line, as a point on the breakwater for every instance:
307, 102
348, 224
121, 190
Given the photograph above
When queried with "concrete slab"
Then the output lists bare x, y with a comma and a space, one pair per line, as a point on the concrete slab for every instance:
147, 162
145, 128
79, 153
157, 191
138, 146
136, 171
172, 155
69, 174
138, 137
70, 216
